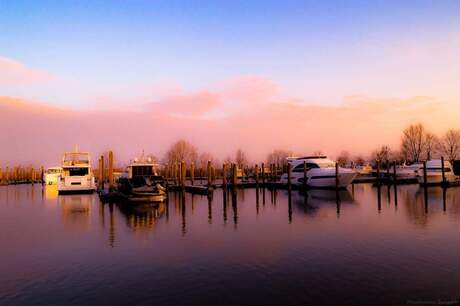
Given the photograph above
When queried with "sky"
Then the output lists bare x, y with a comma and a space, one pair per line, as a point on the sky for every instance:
256, 75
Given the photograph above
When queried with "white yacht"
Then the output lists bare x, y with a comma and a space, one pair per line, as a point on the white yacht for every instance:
320, 172
52, 175
76, 176
407, 171
434, 172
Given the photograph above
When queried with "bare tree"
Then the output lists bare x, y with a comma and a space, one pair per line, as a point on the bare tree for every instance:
240, 158
204, 158
450, 145
278, 157
182, 150
431, 144
382, 154
412, 144
359, 161
344, 158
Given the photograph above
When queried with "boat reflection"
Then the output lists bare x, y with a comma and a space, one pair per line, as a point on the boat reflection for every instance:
76, 211
143, 217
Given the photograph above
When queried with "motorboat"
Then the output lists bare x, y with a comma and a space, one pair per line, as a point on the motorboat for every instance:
142, 183
365, 170
52, 175
408, 172
321, 173
434, 172
76, 176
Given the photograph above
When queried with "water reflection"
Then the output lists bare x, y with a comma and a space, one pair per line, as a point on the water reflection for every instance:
142, 217
334, 243
76, 210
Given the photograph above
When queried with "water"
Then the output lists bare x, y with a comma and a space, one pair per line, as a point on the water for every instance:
246, 250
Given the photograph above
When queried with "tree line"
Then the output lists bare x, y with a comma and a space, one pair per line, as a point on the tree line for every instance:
417, 144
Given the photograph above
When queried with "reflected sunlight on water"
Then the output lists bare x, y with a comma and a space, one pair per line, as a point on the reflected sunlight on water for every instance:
243, 247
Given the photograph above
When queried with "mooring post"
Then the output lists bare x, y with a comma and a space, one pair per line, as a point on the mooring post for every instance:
388, 171
102, 173
443, 172
425, 177
256, 174
289, 176
7, 175
209, 173
32, 176
378, 172
304, 174
234, 173
183, 167
192, 173
42, 174
224, 175
263, 174
110, 169
394, 173
336, 175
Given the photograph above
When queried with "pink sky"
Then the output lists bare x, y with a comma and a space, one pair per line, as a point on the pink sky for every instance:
248, 113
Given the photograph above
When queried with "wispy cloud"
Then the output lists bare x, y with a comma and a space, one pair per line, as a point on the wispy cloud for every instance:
15, 73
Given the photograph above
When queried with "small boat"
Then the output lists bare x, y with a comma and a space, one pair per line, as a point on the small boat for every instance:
52, 175
434, 172
321, 173
365, 170
76, 176
142, 183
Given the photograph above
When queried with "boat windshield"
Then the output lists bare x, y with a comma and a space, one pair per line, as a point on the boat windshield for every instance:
142, 171
53, 171
76, 171
76, 158
326, 164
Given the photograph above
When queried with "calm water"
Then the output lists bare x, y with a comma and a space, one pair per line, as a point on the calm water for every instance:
241, 249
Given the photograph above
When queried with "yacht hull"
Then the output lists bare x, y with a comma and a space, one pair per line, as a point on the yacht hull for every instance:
321, 178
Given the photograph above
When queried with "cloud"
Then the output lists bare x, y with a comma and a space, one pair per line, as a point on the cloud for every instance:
16, 73
194, 105
41, 133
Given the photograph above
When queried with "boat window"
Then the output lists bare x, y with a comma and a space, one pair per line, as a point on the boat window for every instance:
299, 168
438, 169
142, 170
78, 171
326, 165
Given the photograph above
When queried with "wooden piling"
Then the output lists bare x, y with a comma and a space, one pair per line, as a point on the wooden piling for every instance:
234, 175
443, 172
256, 174
102, 173
304, 174
224, 175
289, 176
336, 175
7, 175
378, 172
209, 173
388, 171
263, 174
425, 178
394, 173
183, 173
32, 176
111, 181
192, 173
